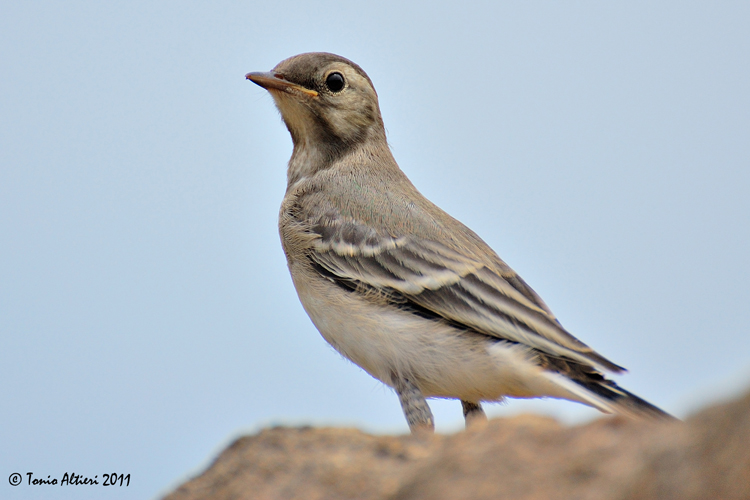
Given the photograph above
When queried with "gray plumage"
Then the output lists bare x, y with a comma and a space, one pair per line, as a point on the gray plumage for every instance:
398, 286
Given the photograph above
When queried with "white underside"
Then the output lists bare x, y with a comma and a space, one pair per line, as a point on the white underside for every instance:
440, 359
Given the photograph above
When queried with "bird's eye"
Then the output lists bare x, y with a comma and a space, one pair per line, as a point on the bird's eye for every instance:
335, 82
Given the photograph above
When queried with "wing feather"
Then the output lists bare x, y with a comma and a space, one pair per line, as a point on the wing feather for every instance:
489, 299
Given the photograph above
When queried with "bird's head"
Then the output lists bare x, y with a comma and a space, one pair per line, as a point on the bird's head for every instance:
326, 101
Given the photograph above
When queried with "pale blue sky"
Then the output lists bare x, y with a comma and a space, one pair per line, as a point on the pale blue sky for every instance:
146, 313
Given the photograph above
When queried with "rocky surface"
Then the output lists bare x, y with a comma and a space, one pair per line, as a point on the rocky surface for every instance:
526, 457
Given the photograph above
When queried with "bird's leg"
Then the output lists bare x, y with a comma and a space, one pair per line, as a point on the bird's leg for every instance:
416, 410
473, 413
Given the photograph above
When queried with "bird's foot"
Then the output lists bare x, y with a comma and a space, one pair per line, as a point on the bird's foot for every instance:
474, 415
416, 410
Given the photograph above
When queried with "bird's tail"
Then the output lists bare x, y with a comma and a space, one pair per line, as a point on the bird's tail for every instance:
606, 396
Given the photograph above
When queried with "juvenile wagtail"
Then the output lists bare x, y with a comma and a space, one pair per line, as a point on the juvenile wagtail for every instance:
398, 286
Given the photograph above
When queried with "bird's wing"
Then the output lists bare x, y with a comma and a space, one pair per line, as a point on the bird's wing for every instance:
447, 283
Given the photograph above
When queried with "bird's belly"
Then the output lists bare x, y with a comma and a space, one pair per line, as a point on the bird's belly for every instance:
442, 360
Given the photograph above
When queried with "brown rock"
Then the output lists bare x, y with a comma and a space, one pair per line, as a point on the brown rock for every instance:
526, 457
310, 464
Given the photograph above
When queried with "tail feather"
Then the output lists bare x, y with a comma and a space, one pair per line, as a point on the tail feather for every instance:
608, 397
631, 405
590, 387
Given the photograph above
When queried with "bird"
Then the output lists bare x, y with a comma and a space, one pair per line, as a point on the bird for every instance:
399, 287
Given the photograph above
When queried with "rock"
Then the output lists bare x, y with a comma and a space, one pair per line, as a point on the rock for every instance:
307, 463
525, 457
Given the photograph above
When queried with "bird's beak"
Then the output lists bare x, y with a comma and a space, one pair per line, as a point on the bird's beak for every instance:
276, 81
